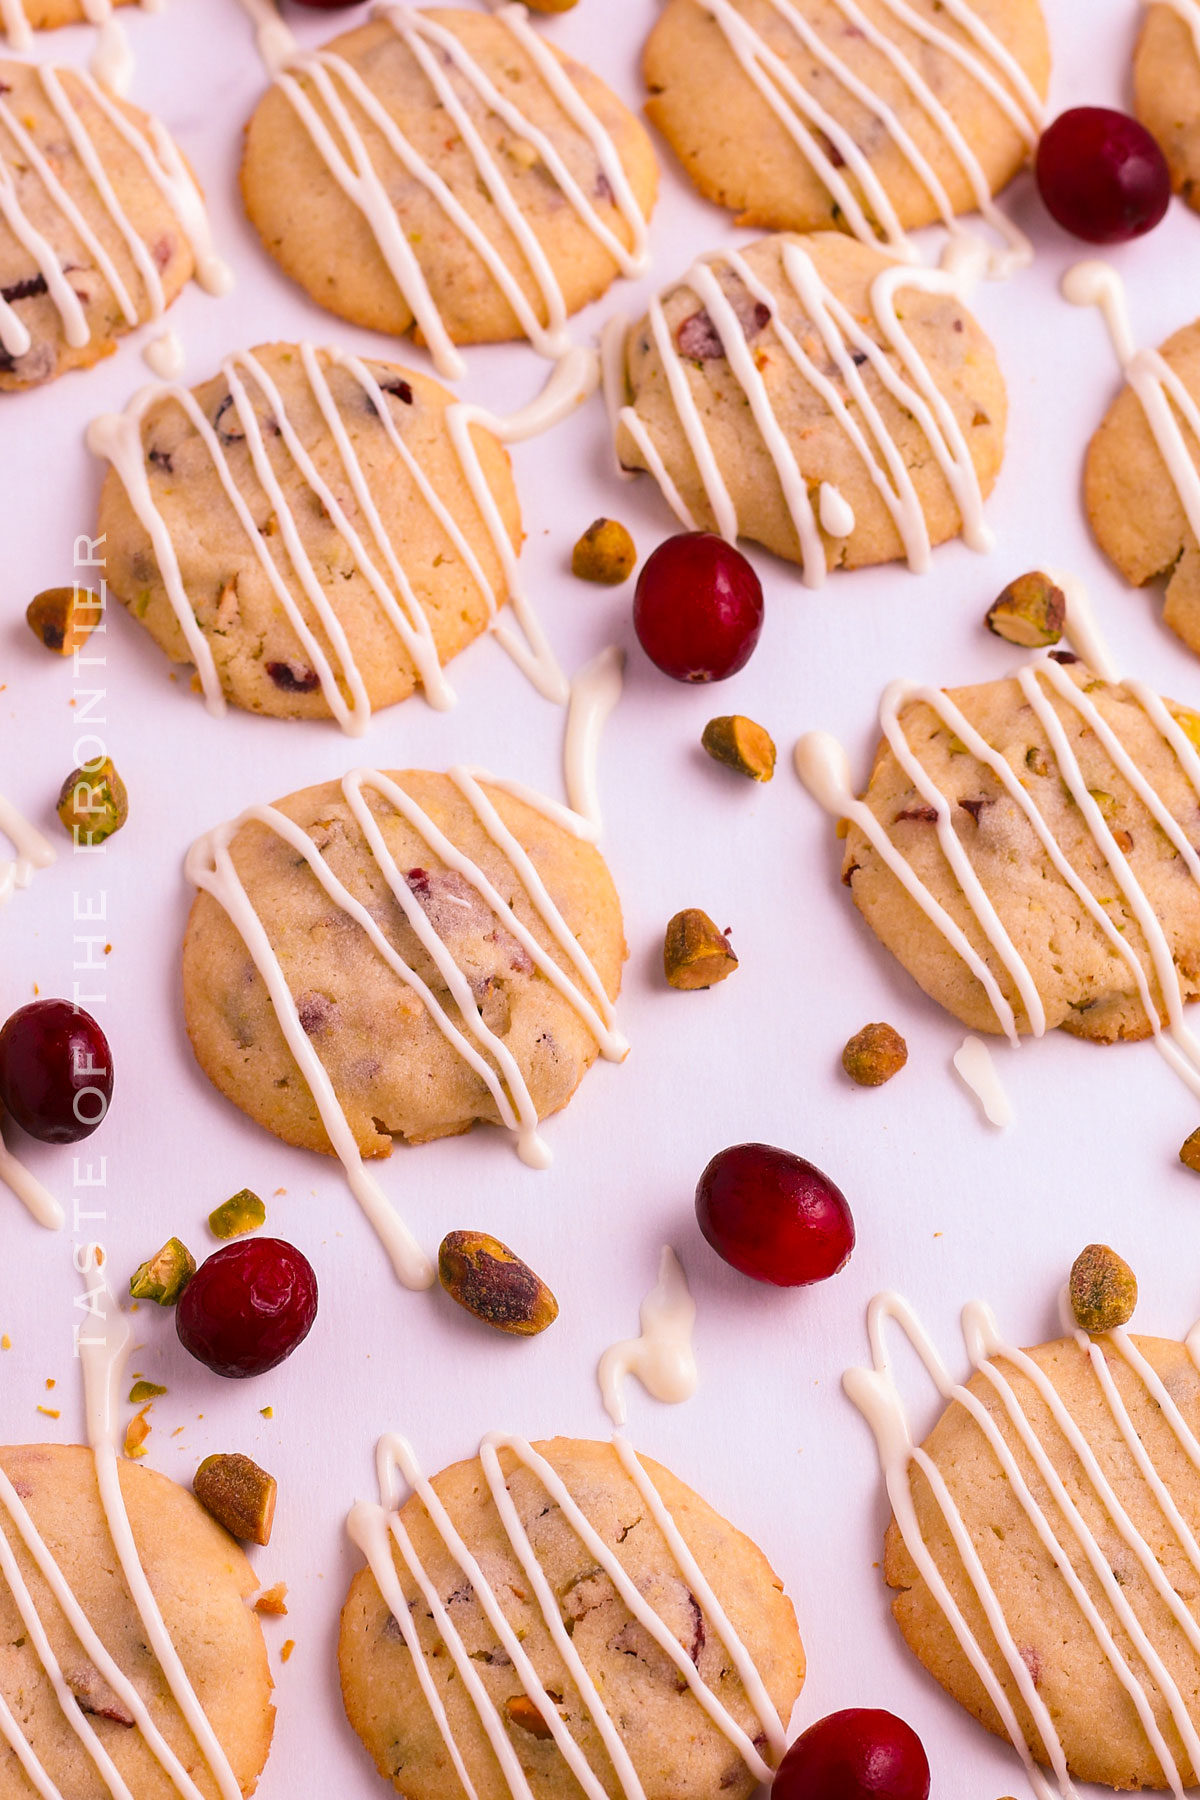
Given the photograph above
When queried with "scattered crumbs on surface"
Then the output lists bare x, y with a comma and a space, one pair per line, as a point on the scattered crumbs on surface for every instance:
268, 1412
938, 1234
50, 1383
36, 988
145, 1390
72, 701
177, 1431
278, 1192
272, 1600
286, 1652
136, 1433
50, 1412
5, 1342
108, 949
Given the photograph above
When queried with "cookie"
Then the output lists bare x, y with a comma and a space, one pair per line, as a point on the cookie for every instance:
1166, 89
1024, 849
46, 15
103, 222
459, 968
201, 1581
805, 114
450, 173
614, 1645
808, 393
305, 528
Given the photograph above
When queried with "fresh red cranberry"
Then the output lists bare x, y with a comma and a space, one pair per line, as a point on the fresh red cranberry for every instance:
1102, 175
774, 1216
248, 1307
698, 609
861, 1754
56, 1072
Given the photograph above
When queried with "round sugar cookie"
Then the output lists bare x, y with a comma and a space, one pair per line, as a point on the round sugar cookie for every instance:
1166, 88
47, 15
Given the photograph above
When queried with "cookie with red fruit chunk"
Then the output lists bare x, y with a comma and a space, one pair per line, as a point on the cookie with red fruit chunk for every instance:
821, 113
611, 1649
441, 952
450, 173
122, 1705
801, 392
47, 15
1166, 89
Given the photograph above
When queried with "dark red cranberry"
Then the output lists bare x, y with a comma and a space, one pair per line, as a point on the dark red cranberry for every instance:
860, 1754
248, 1307
774, 1216
56, 1072
698, 609
1102, 176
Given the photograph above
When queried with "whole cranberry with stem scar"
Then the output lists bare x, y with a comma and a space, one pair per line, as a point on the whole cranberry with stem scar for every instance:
248, 1307
774, 1216
861, 1754
1102, 176
56, 1071
698, 608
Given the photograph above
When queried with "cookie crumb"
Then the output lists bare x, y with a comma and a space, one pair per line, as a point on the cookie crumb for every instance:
273, 1600
285, 1654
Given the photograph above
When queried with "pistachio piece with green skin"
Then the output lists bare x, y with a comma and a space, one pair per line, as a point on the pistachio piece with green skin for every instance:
874, 1055
243, 1212
64, 618
490, 1280
1103, 1289
239, 1495
695, 953
1189, 1153
141, 1391
165, 1275
740, 744
605, 553
93, 803
1031, 612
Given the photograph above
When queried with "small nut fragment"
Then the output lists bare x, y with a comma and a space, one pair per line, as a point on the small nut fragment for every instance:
605, 553
235, 1217
874, 1055
273, 1600
695, 953
1189, 1154
1103, 1289
64, 618
136, 1433
93, 802
489, 1280
166, 1274
525, 1716
239, 1495
142, 1391
551, 6
742, 745
1031, 612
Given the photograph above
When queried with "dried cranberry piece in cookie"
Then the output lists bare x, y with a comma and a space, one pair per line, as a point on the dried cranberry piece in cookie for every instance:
860, 1754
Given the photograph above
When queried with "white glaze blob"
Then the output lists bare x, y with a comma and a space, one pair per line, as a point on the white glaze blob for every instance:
595, 693
164, 356
835, 511
37, 1199
977, 1068
276, 42
661, 1356
33, 851
111, 61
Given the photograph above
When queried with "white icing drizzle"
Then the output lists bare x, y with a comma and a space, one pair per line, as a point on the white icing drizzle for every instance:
661, 1357
210, 866
977, 1068
450, 70
849, 345
36, 1198
33, 852
117, 437
875, 1392
378, 1531
111, 62
829, 148
165, 356
595, 692
276, 42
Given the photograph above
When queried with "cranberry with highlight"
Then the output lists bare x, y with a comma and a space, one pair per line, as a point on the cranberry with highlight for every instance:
248, 1307
774, 1216
56, 1072
861, 1754
1102, 176
698, 609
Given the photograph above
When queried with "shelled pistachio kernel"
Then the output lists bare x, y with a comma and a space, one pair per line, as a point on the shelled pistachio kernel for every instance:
552, 6
64, 618
243, 1212
1103, 1289
491, 1281
239, 1495
605, 553
1189, 1153
740, 744
695, 954
874, 1055
1031, 612
93, 803
166, 1274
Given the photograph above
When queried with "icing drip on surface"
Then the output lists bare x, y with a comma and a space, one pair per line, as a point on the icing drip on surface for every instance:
276, 42
847, 345
595, 692
33, 852
451, 74
210, 866
379, 1532
111, 62
37, 1199
165, 356
977, 1068
661, 1357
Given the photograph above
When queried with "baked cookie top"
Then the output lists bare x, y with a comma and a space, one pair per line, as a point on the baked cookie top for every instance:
1166, 89
103, 222
18, 17
121, 1717
610, 1618
872, 116
810, 393
308, 528
449, 172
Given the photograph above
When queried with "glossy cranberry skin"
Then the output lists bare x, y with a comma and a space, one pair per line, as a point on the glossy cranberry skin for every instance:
248, 1307
774, 1216
1102, 176
698, 608
56, 1072
861, 1754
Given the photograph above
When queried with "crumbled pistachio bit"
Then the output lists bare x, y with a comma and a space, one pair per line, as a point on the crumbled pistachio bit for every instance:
273, 1600
1031, 612
1103, 1289
266, 1412
695, 953
740, 744
235, 1217
93, 802
1189, 1154
142, 1391
5, 1342
285, 1655
64, 618
136, 1433
525, 1716
491, 1281
164, 1277
605, 553
874, 1055
239, 1495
